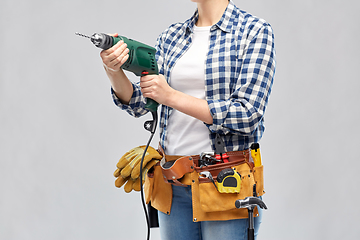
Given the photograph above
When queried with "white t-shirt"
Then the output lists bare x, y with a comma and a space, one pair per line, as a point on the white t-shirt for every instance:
187, 135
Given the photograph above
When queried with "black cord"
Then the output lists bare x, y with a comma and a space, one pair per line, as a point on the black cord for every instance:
152, 129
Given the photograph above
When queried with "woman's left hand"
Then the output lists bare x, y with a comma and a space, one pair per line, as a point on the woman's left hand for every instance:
156, 88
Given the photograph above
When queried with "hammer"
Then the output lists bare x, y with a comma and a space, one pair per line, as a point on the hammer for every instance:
250, 203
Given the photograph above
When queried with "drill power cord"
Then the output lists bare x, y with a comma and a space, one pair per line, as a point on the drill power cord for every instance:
105, 41
150, 126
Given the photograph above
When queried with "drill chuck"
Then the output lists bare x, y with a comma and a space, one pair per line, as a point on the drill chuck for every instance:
102, 41
141, 56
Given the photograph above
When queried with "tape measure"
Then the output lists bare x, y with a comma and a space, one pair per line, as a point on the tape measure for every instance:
228, 181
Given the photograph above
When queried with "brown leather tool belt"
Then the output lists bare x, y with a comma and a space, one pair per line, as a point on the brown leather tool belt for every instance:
235, 158
174, 168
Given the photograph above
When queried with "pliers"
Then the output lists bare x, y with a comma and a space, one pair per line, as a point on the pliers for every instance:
220, 149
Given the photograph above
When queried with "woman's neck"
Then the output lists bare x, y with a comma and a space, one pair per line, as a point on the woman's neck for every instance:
210, 11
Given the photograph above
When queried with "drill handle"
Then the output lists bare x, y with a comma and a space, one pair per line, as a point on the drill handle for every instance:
151, 104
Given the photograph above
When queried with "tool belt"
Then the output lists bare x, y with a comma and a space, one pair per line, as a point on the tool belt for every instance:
208, 203
174, 168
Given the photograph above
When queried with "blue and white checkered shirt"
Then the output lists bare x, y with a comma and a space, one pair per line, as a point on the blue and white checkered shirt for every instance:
239, 70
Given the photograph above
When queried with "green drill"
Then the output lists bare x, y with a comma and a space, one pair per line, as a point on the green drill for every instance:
141, 59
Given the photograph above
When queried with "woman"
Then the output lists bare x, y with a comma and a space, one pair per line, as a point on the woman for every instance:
215, 75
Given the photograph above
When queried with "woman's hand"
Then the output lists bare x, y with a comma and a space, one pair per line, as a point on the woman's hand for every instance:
156, 88
114, 57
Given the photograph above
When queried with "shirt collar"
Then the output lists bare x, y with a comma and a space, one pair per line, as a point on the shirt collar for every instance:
225, 23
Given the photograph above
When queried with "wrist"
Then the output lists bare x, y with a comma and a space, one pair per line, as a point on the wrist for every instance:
110, 70
173, 98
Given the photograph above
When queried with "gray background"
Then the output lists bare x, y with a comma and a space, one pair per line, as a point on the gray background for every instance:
61, 135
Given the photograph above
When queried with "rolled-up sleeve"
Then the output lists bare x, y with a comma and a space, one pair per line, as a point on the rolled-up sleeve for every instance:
242, 112
136, 104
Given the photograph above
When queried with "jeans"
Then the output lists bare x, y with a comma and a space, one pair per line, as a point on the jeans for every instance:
179, 224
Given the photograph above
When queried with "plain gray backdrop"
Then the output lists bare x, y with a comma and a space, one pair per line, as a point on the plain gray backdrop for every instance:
61, 136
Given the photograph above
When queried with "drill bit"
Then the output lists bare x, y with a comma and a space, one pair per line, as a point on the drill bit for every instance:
82, 35
100, 40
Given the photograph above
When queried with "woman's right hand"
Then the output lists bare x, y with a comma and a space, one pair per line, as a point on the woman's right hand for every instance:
114, 57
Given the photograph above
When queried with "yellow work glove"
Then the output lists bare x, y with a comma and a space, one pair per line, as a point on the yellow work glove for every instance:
128, 167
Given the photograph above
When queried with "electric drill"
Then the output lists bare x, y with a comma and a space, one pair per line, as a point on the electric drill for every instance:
141, 59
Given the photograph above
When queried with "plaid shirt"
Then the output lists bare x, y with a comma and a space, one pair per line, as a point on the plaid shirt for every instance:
239, 72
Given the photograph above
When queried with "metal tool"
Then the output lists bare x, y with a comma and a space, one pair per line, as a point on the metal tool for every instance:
220, 149
250, 203
207, 174
207, 158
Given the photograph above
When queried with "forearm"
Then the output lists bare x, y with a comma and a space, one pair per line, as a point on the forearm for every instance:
195, 107
113, 58
156, 88
120, 84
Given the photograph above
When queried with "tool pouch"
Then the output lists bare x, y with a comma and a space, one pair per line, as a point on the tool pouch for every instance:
259, 180
157, 191
208, 203
173, 171
210, 200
